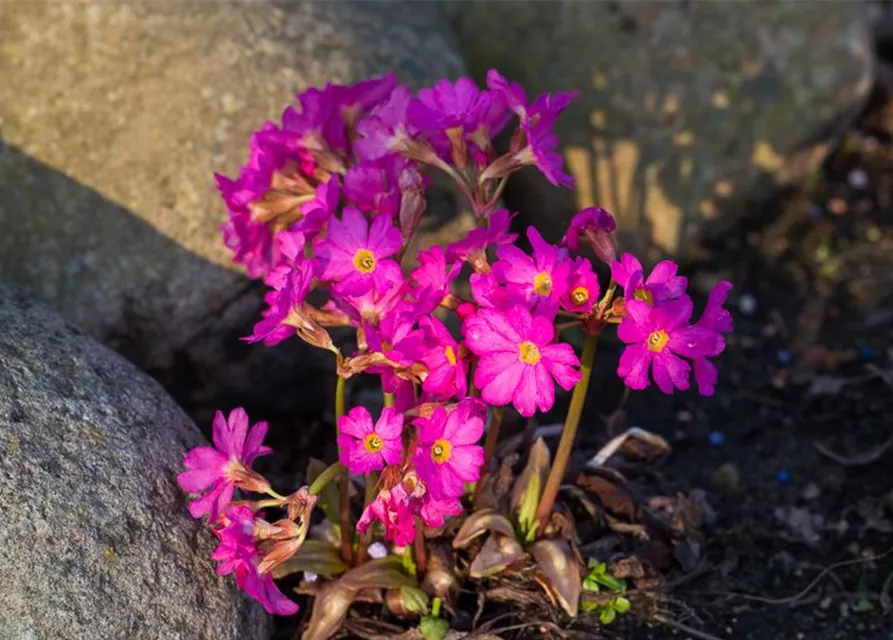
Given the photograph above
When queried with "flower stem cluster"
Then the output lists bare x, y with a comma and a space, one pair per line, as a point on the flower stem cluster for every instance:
326, 209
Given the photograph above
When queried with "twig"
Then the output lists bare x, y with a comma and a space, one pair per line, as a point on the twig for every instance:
858, 460
802, 593
684, 628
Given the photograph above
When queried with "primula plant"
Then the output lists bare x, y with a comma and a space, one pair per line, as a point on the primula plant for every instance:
329, 204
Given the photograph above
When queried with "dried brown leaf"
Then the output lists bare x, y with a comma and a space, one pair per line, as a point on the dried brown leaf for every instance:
440, 579
479, 523
560, 573
615, 498
498, 553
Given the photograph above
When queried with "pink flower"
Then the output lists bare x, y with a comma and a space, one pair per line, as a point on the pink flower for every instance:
582, 288
317, 212
449, 454
655, 338
541, 151
448, 105
479, 239
435, 511
545, 109
355, 255
595, 225
366, 447
447, 371
373, 186
291, 286
486, 291
219, 469
395, 509
715, 320
386, 124
433, 273
662, 284
538, 282
518, 360
237, 553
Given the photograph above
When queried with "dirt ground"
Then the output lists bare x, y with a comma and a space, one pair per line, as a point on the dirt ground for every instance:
796, 447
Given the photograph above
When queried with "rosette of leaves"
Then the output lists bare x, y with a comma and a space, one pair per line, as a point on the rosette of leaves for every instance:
513, 538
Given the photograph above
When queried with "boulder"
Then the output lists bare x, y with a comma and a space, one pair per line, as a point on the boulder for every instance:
113, 118
95, 539
686, 109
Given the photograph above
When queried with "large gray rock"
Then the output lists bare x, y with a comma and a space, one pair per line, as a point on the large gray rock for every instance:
686, 107
114, 115
95, 539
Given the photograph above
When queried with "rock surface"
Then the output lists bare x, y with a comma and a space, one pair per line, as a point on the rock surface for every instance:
686, 106
95, 539
113, 117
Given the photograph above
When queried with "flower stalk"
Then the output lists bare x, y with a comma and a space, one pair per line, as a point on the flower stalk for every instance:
568, 435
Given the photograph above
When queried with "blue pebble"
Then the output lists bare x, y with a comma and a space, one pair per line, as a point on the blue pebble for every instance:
867, 353
783, 476
784, 356
716, 438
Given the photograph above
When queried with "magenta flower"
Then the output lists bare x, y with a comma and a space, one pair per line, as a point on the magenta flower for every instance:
219, 469
448, 105
545, 109
291, 286
715, 320
595, 225
582, 288
538, 282
449, 454
434, 274
477, 240
366, 447
541, 152
518, 361
237, 553
447, 370
355, 255
395, 509
384, 126
662, 284
655, 338
435, 511
486, 291
317, 212
373, 186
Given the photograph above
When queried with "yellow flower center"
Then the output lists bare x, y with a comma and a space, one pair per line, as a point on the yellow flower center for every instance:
364, 261
529, 352
657, 341
450, 355
373, 443
580, 295
542, 284
441, 451
645, 296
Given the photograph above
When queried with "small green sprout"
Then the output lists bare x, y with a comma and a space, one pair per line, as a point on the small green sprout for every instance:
598, 580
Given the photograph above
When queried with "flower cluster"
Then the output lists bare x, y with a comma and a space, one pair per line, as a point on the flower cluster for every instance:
328, 204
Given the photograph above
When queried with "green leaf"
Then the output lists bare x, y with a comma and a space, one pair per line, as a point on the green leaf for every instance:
588, 606
328, 500
527, 488
607, 615
414, 599
621, 604
315, 556
434, 628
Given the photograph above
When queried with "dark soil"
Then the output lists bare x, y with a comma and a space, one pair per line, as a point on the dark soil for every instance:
810, 365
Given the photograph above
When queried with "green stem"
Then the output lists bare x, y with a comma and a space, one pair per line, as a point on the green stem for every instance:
344, 498
340, 398
326, 477
492, 436
568, 435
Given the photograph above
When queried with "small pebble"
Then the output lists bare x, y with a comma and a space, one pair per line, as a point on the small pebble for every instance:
783, 476
857, 179
784, 356
725, 478
770, 330
309, 576
815, 212
377, 550
812, 491
716, 438
747, 304
837, 206
867, 353
684, 416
